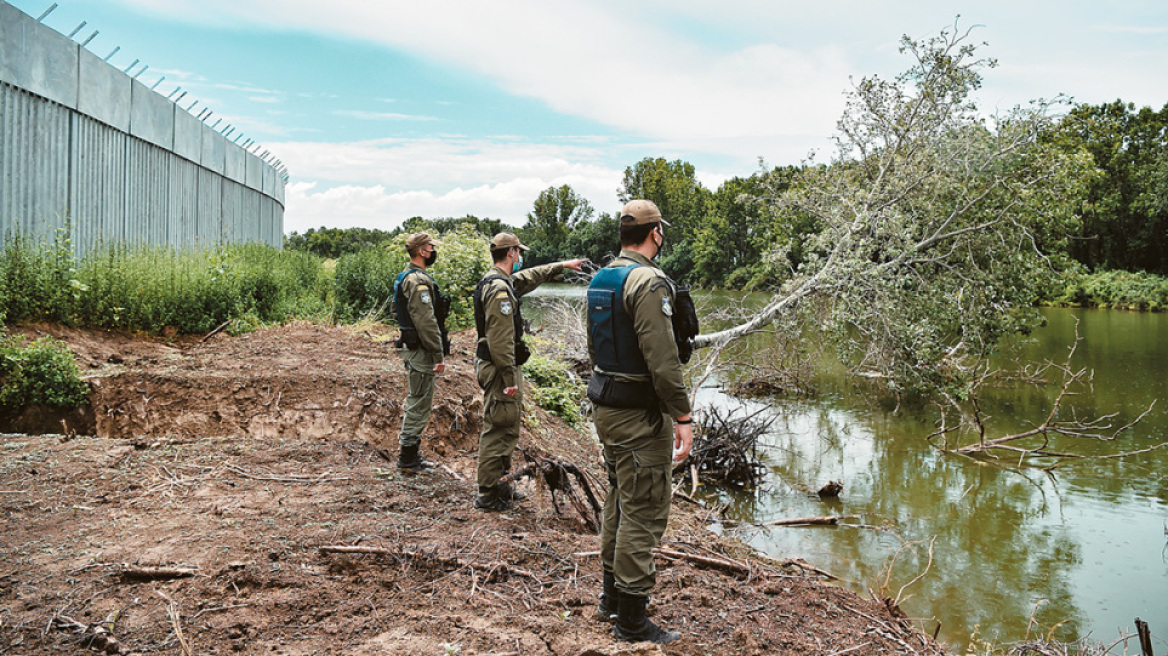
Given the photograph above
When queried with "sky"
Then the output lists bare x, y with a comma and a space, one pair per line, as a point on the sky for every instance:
384, 110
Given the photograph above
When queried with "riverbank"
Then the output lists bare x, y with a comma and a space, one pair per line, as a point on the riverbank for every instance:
196, 518
1119, 290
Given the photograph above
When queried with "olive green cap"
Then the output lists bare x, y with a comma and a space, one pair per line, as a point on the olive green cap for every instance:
641, 212
506, 240
420, 239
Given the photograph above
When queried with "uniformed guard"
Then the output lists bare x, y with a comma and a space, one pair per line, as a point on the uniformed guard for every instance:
499, 354
420, 309
642, 414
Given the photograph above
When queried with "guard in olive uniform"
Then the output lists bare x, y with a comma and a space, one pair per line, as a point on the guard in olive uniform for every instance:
499, 354
642, 415
423, 343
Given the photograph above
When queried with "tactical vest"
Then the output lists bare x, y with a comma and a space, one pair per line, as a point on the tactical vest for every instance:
401, 313
483, 351
614, 340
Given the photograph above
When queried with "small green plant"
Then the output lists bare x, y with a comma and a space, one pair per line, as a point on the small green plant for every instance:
553, 388
42, 372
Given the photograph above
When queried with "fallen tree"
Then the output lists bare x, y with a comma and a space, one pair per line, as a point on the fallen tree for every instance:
936, 228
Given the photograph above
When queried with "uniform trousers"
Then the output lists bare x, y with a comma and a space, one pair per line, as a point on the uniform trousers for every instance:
500, 433
420, 374
638, 454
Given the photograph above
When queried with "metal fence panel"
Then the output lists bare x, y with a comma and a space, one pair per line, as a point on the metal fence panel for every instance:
85, 148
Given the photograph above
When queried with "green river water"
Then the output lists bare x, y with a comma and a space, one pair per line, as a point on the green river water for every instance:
1082, 549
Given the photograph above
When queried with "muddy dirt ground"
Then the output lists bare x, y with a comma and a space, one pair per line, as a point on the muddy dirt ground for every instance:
185, 513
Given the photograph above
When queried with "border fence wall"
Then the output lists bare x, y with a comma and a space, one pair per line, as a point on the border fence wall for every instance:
86, 148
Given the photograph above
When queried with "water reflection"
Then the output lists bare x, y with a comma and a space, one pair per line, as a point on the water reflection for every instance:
1080, 547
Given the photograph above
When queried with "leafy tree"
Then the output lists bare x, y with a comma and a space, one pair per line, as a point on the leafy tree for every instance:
557, 212
1125, 225
485, 227
937, 229
739, 229
332, 243
597, 240
682, 201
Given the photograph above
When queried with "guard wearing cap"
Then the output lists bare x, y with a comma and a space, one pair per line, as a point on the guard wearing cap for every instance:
642, 415
420, 310
499, 354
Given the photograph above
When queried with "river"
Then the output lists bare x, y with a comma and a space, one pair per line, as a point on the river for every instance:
1078, 551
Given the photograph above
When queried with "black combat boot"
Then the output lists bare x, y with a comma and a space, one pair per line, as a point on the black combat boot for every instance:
508, 492
412, 462
490, 500
607, 609
633, 626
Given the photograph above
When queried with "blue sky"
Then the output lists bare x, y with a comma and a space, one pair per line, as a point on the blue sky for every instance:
386, 110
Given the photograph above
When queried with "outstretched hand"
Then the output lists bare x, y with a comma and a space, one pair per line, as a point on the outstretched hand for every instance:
574, 265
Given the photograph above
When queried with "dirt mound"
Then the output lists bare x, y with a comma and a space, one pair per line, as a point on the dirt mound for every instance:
200, 520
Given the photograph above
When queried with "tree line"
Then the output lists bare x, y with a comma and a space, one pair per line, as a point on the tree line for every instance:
731, 237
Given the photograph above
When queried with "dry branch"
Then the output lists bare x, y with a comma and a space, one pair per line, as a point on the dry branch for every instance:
731, 566
319, 478
557, 476
92, 636
725, 445
138, 573
829, 520
493, 569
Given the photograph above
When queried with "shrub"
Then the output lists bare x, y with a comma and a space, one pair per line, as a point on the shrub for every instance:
151, 288
364, 280
42, 372
1116, 289
554, 388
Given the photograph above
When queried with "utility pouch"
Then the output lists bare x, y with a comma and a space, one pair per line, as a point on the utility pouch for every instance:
408, 339
685, 323
607, 391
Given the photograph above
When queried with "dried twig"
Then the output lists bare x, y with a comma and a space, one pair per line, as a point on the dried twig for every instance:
492, 569
319, 478
140, 573
176, 622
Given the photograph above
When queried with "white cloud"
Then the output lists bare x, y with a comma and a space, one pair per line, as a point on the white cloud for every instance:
374, 206
380, 183
438, 162
381, 116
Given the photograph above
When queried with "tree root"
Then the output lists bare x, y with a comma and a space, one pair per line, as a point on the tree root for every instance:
557, 475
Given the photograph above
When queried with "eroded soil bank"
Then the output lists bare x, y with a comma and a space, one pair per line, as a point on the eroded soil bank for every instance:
188, 517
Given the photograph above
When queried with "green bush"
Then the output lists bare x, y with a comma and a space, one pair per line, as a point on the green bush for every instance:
553, 388
151, 288
42, 372
1116, 289
364, 280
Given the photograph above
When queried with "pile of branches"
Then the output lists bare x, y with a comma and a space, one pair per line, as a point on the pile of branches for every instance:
557, 476
725, 449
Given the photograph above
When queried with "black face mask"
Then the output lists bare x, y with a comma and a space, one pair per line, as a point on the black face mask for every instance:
431, 258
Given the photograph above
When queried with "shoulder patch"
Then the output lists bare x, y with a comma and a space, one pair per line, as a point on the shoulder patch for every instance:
425, 296
505, 308
666, 306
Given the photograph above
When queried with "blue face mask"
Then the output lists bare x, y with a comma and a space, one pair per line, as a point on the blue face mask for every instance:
517, 266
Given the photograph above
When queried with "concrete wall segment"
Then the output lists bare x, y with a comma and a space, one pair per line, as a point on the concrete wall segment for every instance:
236, 163
103, 91
188, 136
214, 150
254, 176
151, 116
36, 58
